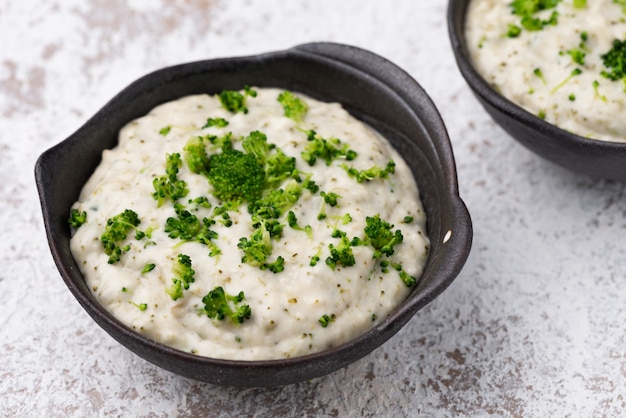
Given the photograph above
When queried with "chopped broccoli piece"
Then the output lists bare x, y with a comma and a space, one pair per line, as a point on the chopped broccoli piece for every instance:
292, 221
615, 61
187, 227
196, 156
526, 9
575, 72
380, 236
165, 130
148, 268
407, 279
217, 305
326, 319
236, 176
141, 306
330, 198
217, 122
276, 202
77, 218
278, 166
326, 149
116, 230
371, 173
234, 102
169, 186
276, 266
408, 219
257, 248
294, 107
184, 277
341, 254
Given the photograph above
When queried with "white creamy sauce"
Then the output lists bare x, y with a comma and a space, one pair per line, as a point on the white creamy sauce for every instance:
286, 306
509, 64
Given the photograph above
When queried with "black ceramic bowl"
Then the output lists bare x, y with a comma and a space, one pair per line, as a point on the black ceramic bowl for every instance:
369, 87
594, 158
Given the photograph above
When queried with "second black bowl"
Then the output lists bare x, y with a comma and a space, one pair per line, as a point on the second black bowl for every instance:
594, 158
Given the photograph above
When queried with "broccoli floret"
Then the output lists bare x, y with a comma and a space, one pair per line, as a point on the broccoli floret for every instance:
187, 227
326, 149
276, 202
196, 156
256, 144
326, 319
116, 230
77, 218
169, 186
526, 9
292, 221
217, 305
278, 166
330, 198
276, 266
294, 107
217, 122
184, 276
236, 176
257, 248
380, 236
371, 173
141, 306
341, 254
165, 130
234, 102
148, 268
615, 61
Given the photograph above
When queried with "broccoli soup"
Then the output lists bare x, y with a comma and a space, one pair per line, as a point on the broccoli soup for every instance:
250, 225
562, 60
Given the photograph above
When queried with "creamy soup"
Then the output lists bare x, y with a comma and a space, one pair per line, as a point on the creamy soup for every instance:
557, 59
250, 225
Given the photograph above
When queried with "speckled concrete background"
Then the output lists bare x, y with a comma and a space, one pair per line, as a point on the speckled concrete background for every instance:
533, 326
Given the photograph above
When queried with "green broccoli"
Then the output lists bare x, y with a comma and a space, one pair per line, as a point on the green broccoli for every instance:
217, 305
292, 221
615, 61
276, 202
278, 166
380, 236
148, 268
371, 173
294, 107
236, 177
341, 254
526, 9
326, 149
257, 249
116, 230
187, 227
169, 186
196, 156
217, 122
77, 218
326, 319
184, 277
234, 102
165, 130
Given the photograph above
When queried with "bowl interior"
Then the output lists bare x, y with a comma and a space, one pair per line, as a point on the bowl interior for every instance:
594, 158
370, 88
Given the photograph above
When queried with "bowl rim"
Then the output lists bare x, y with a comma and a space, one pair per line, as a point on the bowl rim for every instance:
456, 17
371, 65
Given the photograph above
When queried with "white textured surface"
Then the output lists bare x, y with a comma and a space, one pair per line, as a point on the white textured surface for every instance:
533, 326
